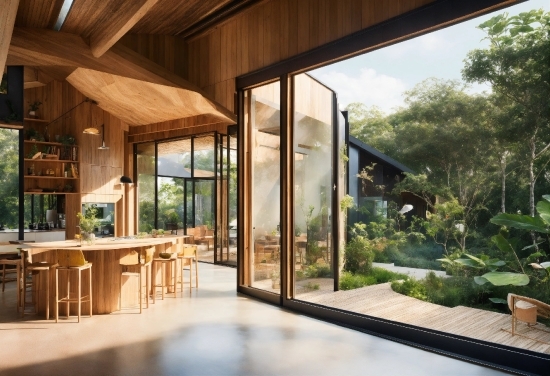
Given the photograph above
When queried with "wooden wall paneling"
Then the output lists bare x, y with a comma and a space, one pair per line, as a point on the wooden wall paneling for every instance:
243, 38
219, 127
73, 205
283, 26
303, 26
215, 57
254, 40
293, 17
314, 24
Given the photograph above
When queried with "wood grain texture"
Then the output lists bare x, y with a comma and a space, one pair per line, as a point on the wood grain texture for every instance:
106, 270
100, 170
276, 30
38, 13
123, 15
40, 47
171, 17
137, 102
181, 132
7, 21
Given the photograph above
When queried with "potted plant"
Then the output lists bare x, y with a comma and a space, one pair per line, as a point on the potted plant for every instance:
33, 107
87, 223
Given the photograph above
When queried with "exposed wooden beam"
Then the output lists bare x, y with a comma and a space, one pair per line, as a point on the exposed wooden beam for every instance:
173, 125
108, 32
182, 132
39, 47
8, 11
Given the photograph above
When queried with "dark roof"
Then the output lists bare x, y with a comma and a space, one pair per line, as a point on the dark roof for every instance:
372, 151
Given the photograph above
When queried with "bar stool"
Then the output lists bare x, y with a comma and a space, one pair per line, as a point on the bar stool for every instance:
72, 261
187, 254
172, 263
139, 262
17, 270
34, 270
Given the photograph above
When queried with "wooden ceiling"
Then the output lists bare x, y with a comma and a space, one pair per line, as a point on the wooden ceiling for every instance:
38, 13
171, 17
84, 53
86, 17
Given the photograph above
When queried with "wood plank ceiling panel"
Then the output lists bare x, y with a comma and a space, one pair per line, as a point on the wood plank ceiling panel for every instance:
7, 20
103, 23
38, 13
174, 16
129, 71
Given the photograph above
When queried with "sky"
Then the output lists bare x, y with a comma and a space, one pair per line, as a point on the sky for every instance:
380, 77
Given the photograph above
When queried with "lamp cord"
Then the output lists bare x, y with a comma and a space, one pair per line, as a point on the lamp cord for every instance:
65, 113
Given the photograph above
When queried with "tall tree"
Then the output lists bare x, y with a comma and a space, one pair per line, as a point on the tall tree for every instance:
517, 65
370, 125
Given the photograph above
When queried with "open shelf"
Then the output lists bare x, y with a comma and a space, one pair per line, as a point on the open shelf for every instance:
52, 193
49, 143
50, 160
36, 120
48, 177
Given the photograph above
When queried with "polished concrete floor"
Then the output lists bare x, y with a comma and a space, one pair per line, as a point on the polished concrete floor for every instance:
213, 331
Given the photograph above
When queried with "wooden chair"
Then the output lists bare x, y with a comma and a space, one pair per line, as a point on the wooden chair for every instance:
17, 270
172, 263
135, 265
34, 270
71, 261
526, 310
187, 254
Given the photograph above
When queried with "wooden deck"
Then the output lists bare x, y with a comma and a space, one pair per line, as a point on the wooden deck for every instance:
381, 301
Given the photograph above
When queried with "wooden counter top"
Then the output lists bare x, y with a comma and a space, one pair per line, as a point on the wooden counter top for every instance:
101, 244
105, 256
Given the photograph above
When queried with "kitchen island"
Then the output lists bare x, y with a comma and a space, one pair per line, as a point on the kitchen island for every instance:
105, 256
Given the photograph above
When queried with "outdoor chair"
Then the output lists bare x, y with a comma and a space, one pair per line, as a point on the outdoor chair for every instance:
526, 310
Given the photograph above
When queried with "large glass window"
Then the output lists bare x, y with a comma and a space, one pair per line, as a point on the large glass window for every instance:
9, 177
262, 106
146, 162
313, 185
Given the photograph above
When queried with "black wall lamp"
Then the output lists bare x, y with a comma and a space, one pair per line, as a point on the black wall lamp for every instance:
125, 180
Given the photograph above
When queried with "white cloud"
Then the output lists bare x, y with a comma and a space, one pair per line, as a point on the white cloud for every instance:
370, 88
423, 45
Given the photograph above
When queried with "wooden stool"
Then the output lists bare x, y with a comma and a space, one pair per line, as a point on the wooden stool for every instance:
17, 270
187, 254
163, 262
35, 269
72, 261
139, 262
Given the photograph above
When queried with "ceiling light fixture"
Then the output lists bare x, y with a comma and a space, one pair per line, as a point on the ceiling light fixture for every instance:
103, 146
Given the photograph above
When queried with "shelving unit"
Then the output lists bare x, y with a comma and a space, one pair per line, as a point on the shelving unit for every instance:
51, 175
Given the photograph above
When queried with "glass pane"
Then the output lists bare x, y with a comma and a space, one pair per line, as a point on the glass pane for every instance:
205, 220
170, 203
203, 161
9, 170
263, 116
189, 216
175, 158
146, 186
313, 179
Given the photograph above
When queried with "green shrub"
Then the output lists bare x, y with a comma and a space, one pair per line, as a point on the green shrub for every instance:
349, 281
358, 255
383, 275
318, 271
410, 287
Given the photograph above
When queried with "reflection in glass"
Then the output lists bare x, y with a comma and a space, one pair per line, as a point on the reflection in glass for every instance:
262, 106
313, 185
146, 187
